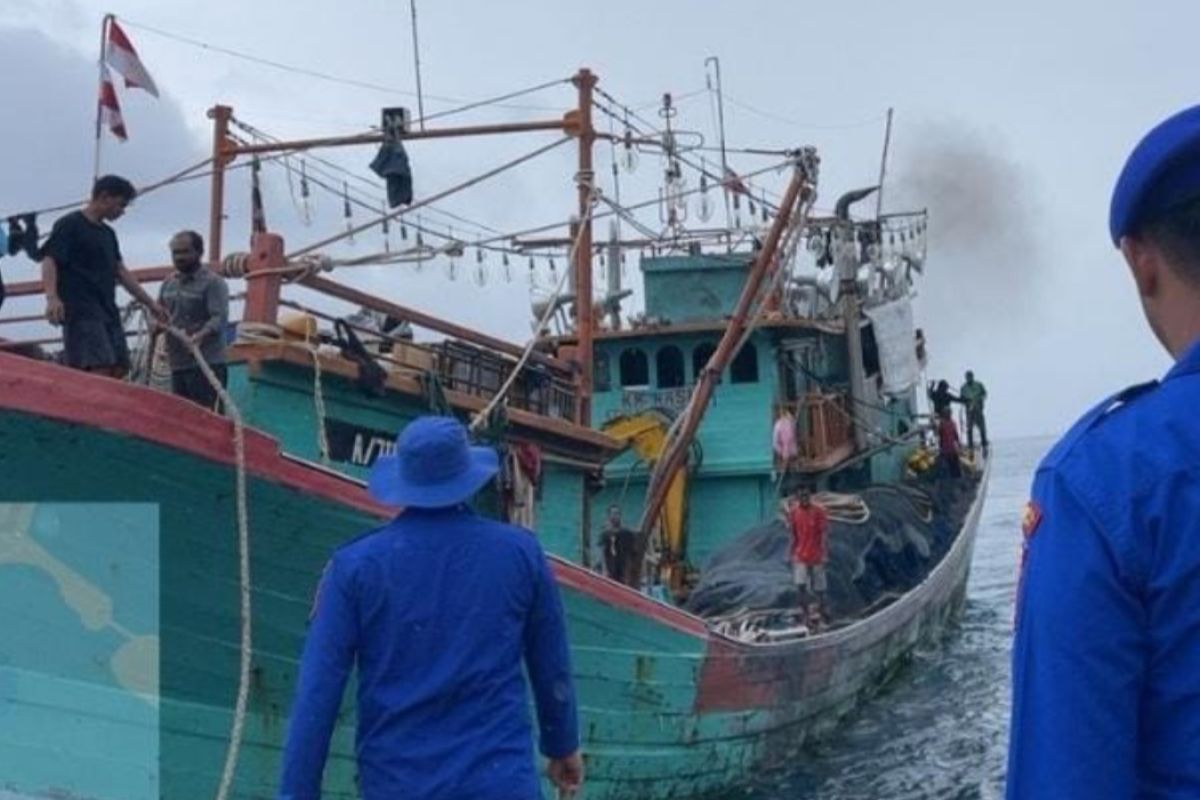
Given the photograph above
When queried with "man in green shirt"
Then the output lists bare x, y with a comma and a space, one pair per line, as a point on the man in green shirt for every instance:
973, 394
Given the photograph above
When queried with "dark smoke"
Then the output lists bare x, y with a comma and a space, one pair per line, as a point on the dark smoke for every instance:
986, 252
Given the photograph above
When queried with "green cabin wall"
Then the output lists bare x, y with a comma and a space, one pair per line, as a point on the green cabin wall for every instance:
279, 400
695, 287
732, 490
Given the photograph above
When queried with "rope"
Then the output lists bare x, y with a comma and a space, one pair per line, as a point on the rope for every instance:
551, 308
432, 199
142, 191
319, 406
374, 199
243, 522
263, 332
334, 78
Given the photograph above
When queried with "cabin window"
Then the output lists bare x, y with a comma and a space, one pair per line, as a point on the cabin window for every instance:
700, 357
670, 368
635, 368
601, 372
745, 365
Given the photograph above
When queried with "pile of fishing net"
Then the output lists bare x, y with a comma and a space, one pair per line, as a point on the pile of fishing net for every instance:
872, 557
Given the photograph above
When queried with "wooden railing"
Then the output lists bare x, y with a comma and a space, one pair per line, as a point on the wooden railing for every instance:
824, 434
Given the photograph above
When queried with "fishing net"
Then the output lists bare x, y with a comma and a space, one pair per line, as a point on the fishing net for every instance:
903, 538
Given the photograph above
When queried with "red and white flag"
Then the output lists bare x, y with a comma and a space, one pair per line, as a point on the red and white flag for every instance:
110, 109
120, 55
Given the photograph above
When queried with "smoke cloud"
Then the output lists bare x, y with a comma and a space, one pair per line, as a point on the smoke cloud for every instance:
979, 300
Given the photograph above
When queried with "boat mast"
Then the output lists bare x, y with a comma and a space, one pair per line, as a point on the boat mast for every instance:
585, 81
801, 190
220, 116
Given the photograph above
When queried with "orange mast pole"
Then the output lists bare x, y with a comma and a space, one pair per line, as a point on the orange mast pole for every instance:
672, 457
220, 116
585, 81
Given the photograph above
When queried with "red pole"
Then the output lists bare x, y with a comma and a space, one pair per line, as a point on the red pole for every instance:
220, 116
585, 81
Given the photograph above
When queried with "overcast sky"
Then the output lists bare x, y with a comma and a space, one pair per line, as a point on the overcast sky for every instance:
1012, 120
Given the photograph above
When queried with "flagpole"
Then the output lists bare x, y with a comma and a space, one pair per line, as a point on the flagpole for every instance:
99, 87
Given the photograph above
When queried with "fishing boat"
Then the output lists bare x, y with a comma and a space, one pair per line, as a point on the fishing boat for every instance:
663, 418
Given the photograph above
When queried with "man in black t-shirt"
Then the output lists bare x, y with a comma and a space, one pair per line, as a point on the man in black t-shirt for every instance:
81, 266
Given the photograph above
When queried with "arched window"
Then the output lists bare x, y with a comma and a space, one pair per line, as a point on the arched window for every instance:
670, 367
744, 368
700, 357
601, 372
635, 368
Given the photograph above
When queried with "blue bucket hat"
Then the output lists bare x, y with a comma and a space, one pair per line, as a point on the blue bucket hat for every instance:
1162, 172
434, 466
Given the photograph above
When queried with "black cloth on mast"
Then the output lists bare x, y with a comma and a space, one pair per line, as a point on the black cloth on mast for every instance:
391, 164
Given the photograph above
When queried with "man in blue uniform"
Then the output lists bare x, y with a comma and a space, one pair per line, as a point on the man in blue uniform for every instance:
439, 608
1106, 663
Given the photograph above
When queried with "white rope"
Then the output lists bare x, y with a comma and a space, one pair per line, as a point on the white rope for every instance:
243, 522
265, 332
551, 307
319, 406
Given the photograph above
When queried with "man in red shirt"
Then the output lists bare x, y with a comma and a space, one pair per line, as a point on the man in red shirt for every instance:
810, 527
948, 444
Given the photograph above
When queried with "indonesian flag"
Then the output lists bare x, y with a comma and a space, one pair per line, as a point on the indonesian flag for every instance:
120, 55
110, 109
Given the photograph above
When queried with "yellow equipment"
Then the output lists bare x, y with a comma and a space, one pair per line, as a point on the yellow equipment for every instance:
646, 433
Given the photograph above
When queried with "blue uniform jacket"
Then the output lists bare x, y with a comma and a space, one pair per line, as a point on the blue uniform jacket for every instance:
438, 608
1106, 662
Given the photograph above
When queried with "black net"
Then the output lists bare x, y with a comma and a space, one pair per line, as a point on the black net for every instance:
907, 533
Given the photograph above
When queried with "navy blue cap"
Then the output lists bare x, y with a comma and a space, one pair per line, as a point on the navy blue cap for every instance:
1162, 171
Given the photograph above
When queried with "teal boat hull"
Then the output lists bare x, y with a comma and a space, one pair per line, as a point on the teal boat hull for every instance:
669, 708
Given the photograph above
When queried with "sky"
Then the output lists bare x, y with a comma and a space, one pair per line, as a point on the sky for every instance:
1011, 123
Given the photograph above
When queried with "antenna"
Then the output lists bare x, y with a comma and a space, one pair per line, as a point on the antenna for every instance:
412, 4
887, 140
716, 62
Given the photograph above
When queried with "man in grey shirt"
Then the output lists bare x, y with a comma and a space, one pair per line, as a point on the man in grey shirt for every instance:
197, 302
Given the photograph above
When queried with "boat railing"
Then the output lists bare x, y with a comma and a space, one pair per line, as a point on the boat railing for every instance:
465, 360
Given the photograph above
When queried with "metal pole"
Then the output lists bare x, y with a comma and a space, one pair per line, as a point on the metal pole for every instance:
99, 87
721, 135
417, 61
613, 275
887, 140
220, 116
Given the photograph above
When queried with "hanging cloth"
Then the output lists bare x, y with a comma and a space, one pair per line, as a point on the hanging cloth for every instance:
391, 164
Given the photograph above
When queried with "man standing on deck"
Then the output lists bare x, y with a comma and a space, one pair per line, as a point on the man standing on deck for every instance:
1106, 662
972, 395
810, 530
81, 266
941, 397
619, 544
948, 444
197, 302
439, 609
